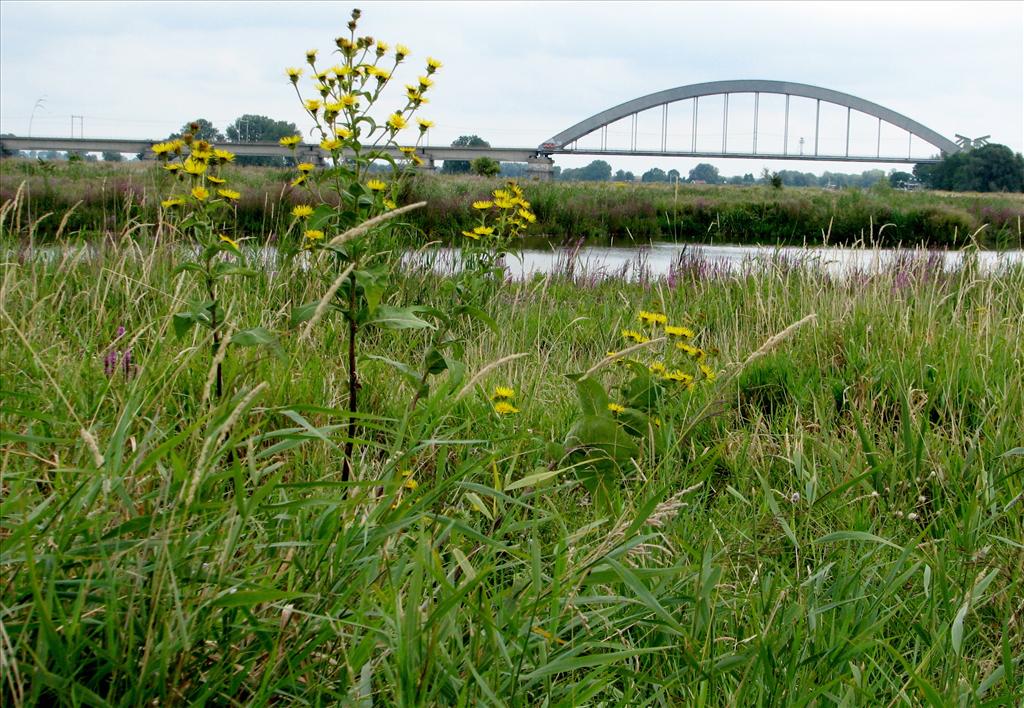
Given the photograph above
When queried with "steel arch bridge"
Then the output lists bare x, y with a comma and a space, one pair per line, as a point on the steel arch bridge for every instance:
565, 141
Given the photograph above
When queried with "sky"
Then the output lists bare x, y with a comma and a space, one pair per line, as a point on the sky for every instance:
516, 73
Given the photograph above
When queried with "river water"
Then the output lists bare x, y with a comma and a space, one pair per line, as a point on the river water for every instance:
661, 260
654, 261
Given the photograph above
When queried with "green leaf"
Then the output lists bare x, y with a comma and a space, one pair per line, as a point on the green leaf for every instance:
319, 218
244, 598
183, 322
190, 266
398, 318
405, 370
254, 337
593, 399
303, 313
855, 536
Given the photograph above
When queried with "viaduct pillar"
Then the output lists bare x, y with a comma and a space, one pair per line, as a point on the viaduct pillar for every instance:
539, 168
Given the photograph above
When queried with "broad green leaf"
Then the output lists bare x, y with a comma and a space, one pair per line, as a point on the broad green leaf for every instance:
398, 318
254, 337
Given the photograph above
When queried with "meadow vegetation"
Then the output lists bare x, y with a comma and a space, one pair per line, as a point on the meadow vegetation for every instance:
325, 475
110, 199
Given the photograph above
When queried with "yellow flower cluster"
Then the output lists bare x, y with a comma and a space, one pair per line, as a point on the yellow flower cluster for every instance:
346, 92
196, 160
673, 332
510, 211
502, 400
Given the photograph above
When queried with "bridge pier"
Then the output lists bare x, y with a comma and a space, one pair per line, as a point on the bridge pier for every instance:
539, 168
427, 166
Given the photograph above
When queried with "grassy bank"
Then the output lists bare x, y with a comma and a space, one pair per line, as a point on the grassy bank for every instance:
119, 198
838, 521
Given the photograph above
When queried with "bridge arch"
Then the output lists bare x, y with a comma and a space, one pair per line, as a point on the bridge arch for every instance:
756, 86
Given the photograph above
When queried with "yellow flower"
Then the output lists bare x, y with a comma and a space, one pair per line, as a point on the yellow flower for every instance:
527, 215
229, 194
172, 167
503, 392
163, 149
504, 408
298, 180
224, 155
674, 331
305, 167
471, 235
331, 144
653, 317
483, 230
200, 193
397, 121
708, 372
341, 71
293, 74
313, 105
343, 133
401, 52
501, 194
388, 204
433, 65
382, 47
679, 376
172, 202
425, 125
311, 56
503, 203
314, 234
615, 408
194, 167
483, 204
290, 141
375, 185
657, 367
229, 241
411, 484
635, 336
216, 180
694, 352
301, 211
426, 81
349, 101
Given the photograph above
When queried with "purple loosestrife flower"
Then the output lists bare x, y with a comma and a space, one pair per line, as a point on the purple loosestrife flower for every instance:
115, 358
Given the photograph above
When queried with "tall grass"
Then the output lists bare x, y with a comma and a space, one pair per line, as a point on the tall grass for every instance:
848, 530
109, 199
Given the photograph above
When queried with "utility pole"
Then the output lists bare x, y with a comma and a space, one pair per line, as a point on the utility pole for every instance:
81, 126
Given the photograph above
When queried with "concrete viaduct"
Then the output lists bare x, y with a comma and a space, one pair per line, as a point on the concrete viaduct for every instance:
538, 160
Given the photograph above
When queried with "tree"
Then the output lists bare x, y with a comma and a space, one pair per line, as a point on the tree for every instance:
623, 176
990, 168
110, 156
4, 152
705, 173
673, 175
204, 130
485, 167
251, 128
461, 167
655, 174
901, 180
596, 171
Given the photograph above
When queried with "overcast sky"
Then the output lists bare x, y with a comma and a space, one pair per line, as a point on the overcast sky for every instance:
518, 73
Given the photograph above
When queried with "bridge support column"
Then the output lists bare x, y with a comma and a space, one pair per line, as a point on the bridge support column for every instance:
427, 166
539, 168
